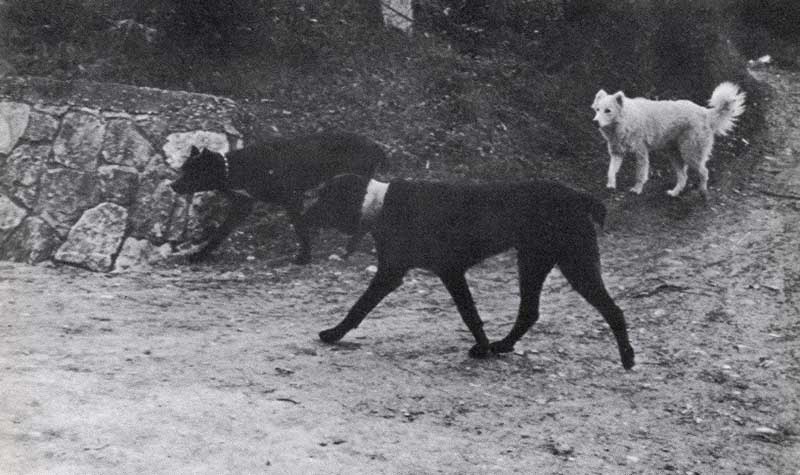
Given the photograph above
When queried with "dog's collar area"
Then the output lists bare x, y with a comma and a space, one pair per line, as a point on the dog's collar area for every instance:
372, 204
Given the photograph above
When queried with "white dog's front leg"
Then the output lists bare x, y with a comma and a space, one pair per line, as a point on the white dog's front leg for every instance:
613, 169
642, 171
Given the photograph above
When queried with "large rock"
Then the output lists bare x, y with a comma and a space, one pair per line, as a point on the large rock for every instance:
207, 210
178, 145
22, 171
179, 220
80, 140
124, 145
152, 210
138, 254
117, 184
96, 238
33, 241
41, 126
10, 217
64, 194
25, 165
13, 122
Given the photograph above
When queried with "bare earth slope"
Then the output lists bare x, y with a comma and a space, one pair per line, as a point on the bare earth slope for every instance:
217, 368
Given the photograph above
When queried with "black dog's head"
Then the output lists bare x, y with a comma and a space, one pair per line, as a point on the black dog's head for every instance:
338, 203
202, 171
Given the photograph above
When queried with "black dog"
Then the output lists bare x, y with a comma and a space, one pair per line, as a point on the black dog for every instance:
449, 228
278, 171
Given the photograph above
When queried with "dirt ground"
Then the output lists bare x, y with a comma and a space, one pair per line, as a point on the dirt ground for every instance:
217, 368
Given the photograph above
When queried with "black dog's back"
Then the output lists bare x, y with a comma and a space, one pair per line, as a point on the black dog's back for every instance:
456, 226
297, 164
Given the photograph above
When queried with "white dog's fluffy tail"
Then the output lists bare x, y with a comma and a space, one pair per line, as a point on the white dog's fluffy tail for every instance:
726, 103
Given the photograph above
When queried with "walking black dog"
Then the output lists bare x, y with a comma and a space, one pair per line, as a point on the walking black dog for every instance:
278, 171
449, 228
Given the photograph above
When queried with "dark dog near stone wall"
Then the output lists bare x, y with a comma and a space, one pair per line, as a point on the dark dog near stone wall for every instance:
279, 172
448, 228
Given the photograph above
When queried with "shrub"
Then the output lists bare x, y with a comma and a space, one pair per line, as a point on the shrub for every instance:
54, 21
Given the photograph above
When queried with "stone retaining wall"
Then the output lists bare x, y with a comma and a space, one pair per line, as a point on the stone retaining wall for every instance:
85, 168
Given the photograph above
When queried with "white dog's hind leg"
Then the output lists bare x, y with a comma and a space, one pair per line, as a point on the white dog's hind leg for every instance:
613, 169
642, 170
703, 172
680, 173
701, 167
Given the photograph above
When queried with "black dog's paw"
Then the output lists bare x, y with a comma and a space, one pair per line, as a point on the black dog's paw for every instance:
627, 357
478, 351
331, 335
501, 347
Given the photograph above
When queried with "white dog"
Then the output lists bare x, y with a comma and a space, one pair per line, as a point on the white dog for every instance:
639, 125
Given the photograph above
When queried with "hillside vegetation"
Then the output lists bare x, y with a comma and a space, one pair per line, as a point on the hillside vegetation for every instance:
481, 90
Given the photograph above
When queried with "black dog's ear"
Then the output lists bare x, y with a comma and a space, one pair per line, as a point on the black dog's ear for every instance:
193, 151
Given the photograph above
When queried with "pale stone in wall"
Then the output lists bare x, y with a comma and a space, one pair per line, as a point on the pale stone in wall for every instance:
95, 239
117, 184
153, 127
124, 145
207, 210
179, 220
79, 141
139, 254
25, 165
63, 195
152, 210
179, 144
13, 122
33, 241
10, 216
41, 127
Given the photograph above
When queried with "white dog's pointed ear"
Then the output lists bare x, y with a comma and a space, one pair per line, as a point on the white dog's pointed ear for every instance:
600, 94
619, 96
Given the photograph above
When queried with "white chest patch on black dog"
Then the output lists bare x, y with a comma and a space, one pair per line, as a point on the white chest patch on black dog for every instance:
373, 200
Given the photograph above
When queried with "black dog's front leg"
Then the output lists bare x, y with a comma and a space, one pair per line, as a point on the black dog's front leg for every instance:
533, 270
240, 207
456, 284
382, 284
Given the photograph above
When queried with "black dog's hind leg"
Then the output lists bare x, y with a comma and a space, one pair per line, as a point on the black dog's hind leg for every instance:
240, 207
352, 243
533, 270
381, 285
583, 273
294, 210
456, 284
